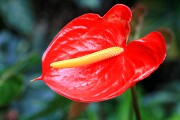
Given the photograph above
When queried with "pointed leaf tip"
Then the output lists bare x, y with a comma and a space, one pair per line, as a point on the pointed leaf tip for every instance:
33, 80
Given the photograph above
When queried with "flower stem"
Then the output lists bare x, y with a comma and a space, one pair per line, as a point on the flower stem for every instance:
135, 103
76, 109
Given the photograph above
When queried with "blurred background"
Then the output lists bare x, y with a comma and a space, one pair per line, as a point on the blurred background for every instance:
28, 26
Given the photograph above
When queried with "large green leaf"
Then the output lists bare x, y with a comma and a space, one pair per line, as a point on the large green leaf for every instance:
11, 81
10, 88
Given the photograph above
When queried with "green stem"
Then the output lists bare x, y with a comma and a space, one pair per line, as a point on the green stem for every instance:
135, 103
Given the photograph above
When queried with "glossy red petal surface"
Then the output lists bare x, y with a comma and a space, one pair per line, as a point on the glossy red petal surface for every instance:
109, 78
146, 54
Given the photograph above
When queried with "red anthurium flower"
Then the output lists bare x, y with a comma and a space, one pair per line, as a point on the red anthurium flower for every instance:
108, 77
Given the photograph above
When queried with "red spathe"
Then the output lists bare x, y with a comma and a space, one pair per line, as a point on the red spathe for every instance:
107, 79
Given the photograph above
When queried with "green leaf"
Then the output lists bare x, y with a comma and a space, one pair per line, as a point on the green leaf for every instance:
10, 88
174, 116
11, 82
92, 115
124, 106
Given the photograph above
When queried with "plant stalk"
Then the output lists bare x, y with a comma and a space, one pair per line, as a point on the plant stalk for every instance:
135, 103
76, 109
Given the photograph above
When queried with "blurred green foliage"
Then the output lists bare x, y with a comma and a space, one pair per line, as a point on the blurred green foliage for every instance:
18, 15
28, 26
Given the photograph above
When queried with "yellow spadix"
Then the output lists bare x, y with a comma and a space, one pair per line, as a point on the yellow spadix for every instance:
88, 59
